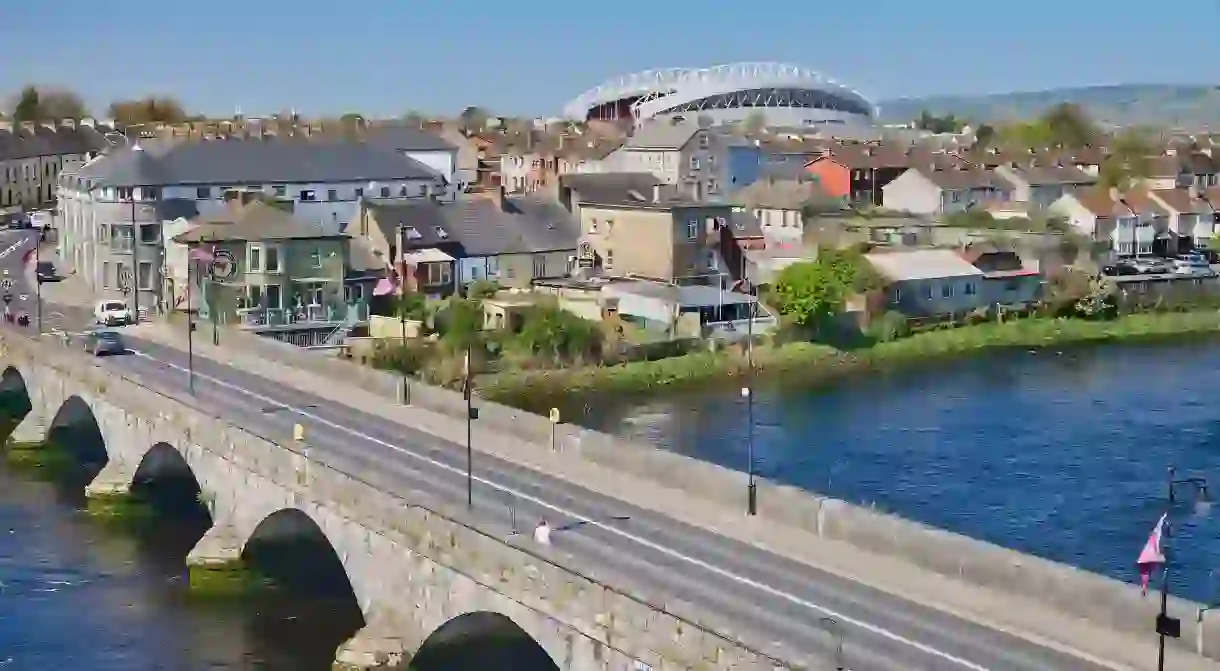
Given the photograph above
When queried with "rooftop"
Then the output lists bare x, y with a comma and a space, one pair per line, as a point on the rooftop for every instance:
922, 264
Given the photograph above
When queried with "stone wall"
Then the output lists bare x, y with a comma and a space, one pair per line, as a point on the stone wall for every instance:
1110, 603
413, 564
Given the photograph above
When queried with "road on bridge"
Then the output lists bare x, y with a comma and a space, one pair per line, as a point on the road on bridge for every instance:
760, 595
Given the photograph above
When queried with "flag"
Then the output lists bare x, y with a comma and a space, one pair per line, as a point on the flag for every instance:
387, 285
1153, 555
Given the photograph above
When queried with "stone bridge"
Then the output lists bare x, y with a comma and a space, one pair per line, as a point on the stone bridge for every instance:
415, 568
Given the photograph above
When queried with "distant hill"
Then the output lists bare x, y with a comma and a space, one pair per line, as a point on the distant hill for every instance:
1184, 106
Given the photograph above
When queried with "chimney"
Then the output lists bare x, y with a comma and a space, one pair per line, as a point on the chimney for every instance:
1193, 191
88, 122
109, 123
1115, 194
27, 126
656, 193
68, 123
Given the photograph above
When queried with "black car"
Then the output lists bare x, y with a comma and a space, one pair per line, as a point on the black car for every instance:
44, 271
1119, 269
102, 342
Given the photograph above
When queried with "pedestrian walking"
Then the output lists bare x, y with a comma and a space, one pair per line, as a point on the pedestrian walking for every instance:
542, 533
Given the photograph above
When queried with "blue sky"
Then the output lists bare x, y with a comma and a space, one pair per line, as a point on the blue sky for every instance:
390, 56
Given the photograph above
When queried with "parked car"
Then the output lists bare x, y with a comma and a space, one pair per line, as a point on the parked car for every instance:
113, 313
1190, 264
1212, 256
1153, 266
103, 342
1119, 269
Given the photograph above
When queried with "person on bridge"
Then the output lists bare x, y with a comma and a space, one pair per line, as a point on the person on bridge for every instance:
542, 533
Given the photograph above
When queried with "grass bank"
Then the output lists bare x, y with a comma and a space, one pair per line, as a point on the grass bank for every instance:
821, 362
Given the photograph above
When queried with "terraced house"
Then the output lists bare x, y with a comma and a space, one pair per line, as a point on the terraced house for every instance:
113, 210
33, 155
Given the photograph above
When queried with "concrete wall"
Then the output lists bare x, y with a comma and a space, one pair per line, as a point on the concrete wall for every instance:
1111, 603
413, 564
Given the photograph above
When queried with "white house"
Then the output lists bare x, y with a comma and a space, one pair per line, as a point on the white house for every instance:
146, 185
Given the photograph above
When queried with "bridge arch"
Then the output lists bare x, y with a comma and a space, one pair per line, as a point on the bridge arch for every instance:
482, 640
15, 402
75, 429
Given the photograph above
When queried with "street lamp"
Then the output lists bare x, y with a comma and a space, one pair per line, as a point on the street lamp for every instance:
747, 392
472, 413
1171, 626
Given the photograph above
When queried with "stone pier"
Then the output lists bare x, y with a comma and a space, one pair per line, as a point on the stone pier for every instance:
113, 480
33, 428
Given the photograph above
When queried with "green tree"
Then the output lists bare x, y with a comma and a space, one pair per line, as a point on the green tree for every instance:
1129, 162
460, 323
411, 306
939, 124
560, 336
472, 119
808, 293
47, 104
1068, 126
984, 136
149, 109
26, 107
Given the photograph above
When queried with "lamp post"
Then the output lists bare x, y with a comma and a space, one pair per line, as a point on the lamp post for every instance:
748, 393
1171, 626
472, 413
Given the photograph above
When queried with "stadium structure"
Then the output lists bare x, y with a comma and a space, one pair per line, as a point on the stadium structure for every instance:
786, 95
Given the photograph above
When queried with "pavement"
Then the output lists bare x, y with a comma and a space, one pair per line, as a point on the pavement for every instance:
761, 582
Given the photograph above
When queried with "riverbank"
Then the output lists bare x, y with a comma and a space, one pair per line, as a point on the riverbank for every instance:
814, 362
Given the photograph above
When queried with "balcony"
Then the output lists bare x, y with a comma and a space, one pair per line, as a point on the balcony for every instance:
309, 316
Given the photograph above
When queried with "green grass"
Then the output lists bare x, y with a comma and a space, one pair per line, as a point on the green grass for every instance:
822, 362
121, 510
233, 580
42, 459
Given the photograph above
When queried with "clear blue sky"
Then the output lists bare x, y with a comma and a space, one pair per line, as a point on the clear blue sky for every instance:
390, 56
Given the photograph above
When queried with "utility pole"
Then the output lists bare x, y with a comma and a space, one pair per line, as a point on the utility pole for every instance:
135, 259
748, 392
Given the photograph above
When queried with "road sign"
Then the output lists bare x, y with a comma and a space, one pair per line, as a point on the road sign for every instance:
554, 415
298, 432
223, 266
7, 283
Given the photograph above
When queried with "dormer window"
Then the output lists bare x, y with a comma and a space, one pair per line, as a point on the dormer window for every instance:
441, 233
413, 234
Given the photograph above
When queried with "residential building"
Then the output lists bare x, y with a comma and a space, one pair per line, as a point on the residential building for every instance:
781, 203
937, 191
860, 173
273, 274
418, 145
440, 247
660, 235
32, 156
148, 183
574, 189
1035, 187
1183, 169
544, 158
1128, 224
1191, 215
950, 284
687, 154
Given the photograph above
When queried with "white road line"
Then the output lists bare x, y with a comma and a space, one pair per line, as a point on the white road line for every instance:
792, 598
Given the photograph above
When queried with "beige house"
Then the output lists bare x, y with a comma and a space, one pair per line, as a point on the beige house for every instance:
1036, 187
937, 191
658, 235
1130, 224
779, 203
32, 156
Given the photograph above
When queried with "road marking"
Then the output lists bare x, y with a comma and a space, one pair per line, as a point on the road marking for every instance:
12, 248
792, 598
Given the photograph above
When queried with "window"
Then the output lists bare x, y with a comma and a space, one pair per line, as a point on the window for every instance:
313, 295
439, 272
539, 266
150, 193
897, 295
692, 229
927, 291
106, 283
274, 297
124, 193
307, 196
593, 226
608, 259
970, 289
359, 193
332, 194
273, 259
441, 233
955, 196
703, 140
254, 258
254, 296
946, 291
712, 186
203, 193
694, 163
423, 190
385, 192
150, 233
402, 193
315, 258
146, 276
353, 293
280, 190
413, 234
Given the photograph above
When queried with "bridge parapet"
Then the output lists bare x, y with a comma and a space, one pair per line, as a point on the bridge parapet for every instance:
413, 564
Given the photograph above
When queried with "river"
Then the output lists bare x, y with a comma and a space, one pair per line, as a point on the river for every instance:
1059, 453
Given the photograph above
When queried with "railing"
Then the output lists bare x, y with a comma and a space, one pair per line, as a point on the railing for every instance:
353, 313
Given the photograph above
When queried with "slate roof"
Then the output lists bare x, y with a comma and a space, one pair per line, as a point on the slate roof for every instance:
253, 221
784, 194
400, 137
481, 226
18, 143
959, 180
921, 264
627, 189
661, 133
250, 161
1052, 175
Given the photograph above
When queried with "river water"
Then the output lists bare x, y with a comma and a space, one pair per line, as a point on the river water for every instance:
1061, 454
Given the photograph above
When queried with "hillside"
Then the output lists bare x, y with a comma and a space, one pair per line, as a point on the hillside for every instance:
1183, 106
